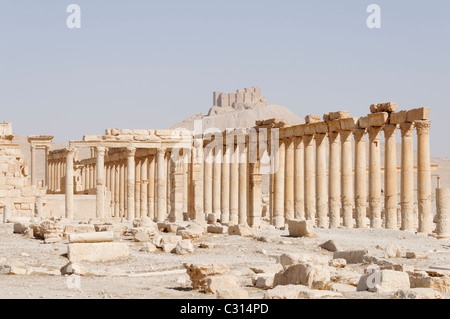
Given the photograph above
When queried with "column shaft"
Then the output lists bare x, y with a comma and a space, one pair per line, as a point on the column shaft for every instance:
407, 177
360, 178
424, 176
347, 196
374, 177
390, 176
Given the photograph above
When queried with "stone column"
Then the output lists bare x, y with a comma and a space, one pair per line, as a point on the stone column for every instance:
374, 177
243, 190
217, 179
161, 186
443, 213
424, 176
33, 166
144, 187
321, 180
225, 196
100, 197
390, 176
279, 185
299, 178
122, 183
197, 212
137, 187
91, 176
151, 188
360, 178
347, 197
310, 176
334, 196
407, 177
185, 182
208, 182
289, 211
255, 211
131, 152
58, 176
176, 198
47, 179
116, 189
234, 188
69, 184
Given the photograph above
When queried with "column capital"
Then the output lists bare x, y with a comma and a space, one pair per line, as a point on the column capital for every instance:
374, 133
101, 150
131, 151
161, 151
345, 135
70, 150
389, 130
407, 129
423, 127
359, 133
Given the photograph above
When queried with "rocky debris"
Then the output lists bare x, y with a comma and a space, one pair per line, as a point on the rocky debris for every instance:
208, 245
79, 228
330, 245
8, 268
20, 228
299, 292
302, 258
242, 230
217, 229
338, 263
301, 228
200, 273
148, 248
74, 269
340, 287
351, 256
418, 293
52, 231
6, 229
192, 231
267, 269
144, 222
416, 255
424, 280
312, 276
384, 281
168, 243
232, 294
345, 277
184, 247
215, 283
142, 237
97, 252
263, 281
393, 251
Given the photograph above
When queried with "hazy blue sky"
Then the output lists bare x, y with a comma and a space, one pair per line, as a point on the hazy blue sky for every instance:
150, 64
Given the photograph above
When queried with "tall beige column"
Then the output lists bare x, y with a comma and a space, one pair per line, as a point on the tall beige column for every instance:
225, 196
310, 176
197, 170
91, 176
58, 176
122, 183
374, 177
289, 210
33, 166
47, 171
176, 196
137, 188
69, 184
279, 185
334, 179
161, 186
100, 196
116, 189
217, 179
407, 177
131, 170
255, 211
443, 213
321, 180
243, 190
347, 196
424, 176
144, 187
299, 178
185, 181
234, 187
208, 182
112, 187
152, 188
360, 178
390, 176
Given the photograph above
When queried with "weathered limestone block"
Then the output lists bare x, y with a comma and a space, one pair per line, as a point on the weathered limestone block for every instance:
148, 248
97, 252
199, 273
330, 245
384, 281
338, 287
349, 124
215, 283
312, 276
418, 114
384, 107
351, 256
79, 228
332, 116
96, 237
142, 237
52, 231
378, 119
169, 248
263, 281
393, 251
242, 230
184, 247
20, 228
301, 228
267, 269
416, 255
418, 293
302, 258
231, 294
309, 119
345, 277
423, 280
217, 229
285, 292
74, 269
171, 239
13, 269
192, 231
338, 263
398, 117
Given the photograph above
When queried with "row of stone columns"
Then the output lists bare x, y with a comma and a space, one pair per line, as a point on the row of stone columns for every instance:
305, 186
56, 172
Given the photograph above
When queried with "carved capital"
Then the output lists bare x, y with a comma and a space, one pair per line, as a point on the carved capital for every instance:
374, 133
407, 129
389, 130
101, 151
423, 127
131, 151
359, 134
161, 151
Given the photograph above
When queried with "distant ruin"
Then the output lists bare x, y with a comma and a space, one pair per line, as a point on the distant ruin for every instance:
237, 101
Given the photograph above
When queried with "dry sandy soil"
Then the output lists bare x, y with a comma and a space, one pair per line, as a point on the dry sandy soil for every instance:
161, 275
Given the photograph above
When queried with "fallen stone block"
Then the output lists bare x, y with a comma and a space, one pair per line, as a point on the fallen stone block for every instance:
215, 283
384, 281
199, 273
330, 245
92, 237
73, 269
414, 255
148, 248
393, 251
217, 229
312, 276
267, 269
191, 231
242, 230
97, 252
19, 228
184, 247
418, 293
80, 228
231, 294
340, 287
338, 263
351, 256
302, 258
169, 247
284, 292
171, 239
301, 228
419, 280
